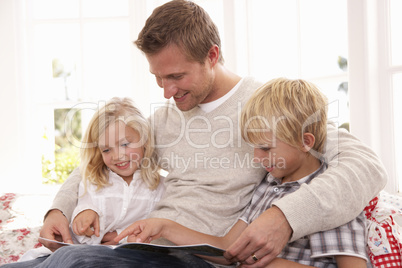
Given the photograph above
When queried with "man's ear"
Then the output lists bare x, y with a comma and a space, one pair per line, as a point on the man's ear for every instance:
213, 55
308, 142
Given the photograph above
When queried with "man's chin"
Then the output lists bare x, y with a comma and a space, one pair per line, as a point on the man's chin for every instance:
184, 107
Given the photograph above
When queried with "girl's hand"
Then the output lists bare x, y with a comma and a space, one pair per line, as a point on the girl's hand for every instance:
86, 223
143, 231
108, 238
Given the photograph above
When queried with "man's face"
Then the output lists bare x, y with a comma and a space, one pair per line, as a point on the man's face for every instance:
188, 82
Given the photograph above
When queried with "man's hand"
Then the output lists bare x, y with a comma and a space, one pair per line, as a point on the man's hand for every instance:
143, 230
86, 223
262, 240
55, 227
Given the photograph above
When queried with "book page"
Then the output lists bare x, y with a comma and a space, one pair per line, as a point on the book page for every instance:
200, 249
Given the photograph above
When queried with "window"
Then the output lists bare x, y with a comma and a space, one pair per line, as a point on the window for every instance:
60, 155
397, 93
395, 7
73, 55
375, 84
302, 39
79, 54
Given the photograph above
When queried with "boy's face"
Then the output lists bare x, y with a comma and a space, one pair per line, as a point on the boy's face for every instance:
280, 159
188, 82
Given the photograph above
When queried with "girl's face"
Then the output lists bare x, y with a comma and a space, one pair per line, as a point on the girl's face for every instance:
121, 149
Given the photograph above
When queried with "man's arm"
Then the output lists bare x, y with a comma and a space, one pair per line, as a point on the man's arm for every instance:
67, 196
57, 219
354, 176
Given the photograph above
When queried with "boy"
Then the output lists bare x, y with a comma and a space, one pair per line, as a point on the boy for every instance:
286, 122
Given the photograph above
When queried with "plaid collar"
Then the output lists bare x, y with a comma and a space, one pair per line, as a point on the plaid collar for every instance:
276, 181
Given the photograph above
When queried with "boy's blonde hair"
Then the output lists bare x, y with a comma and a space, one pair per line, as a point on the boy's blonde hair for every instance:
288, 108
92, 167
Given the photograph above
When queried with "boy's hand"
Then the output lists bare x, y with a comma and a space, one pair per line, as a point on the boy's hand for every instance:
86, 223
143, 231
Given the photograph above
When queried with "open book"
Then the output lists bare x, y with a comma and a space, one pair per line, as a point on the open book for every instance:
200, 249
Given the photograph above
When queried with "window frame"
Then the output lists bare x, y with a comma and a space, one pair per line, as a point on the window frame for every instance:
370, 81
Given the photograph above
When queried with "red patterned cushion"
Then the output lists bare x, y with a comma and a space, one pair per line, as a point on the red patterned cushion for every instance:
384, 226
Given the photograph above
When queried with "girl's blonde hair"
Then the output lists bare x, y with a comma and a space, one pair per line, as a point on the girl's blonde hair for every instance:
288, 108
92, 167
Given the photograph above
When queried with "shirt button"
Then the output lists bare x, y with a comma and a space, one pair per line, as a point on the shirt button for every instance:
276, 189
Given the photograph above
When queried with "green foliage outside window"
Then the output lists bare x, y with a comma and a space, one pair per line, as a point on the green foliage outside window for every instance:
66, 155
58, 171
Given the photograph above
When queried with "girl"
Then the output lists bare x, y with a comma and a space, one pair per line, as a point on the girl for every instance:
121, 182
115, 188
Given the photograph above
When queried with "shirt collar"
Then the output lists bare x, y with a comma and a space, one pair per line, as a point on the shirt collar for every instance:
210, 106
272, 180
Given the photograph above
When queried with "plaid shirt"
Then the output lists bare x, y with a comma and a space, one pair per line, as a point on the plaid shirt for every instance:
319, 248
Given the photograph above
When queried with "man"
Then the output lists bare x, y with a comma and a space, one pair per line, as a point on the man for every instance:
211, 174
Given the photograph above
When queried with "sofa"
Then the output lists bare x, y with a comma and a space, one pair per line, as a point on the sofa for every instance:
21, 217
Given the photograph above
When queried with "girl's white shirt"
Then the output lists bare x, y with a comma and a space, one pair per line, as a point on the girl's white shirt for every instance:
118, 204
